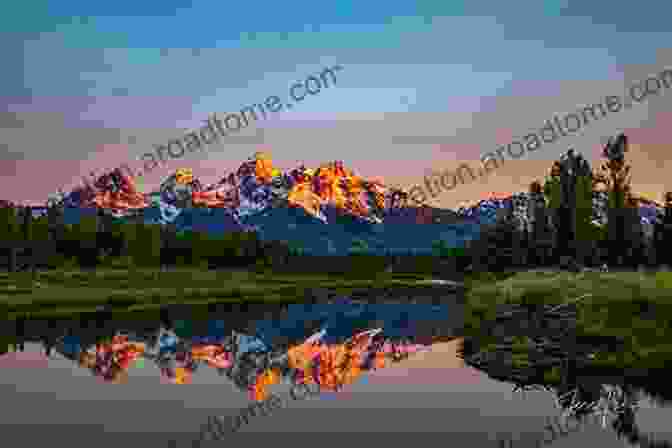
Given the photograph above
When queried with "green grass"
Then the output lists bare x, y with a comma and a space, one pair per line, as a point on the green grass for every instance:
634, 306
68, 291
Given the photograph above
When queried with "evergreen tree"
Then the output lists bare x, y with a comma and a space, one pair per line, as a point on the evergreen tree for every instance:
538, 229
553, 196
664, 232
85, 232
148, 245
130, 235
9, 235
202, 246
9, 228
584, 202
616, 176
552, 191
26, 221
584, 209
40, 229
42, 249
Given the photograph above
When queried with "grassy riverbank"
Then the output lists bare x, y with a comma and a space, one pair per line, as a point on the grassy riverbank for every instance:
68, 291
635, 307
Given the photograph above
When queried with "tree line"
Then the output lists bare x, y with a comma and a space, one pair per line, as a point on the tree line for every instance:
560, 229
101, 240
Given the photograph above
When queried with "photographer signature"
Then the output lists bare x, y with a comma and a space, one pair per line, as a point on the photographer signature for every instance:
610, 404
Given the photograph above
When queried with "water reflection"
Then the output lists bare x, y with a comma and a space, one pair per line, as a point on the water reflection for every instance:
311, 368
273, 354
250, 346
583, 393
277, 355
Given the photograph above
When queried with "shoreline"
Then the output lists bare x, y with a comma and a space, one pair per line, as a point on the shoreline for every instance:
50, 295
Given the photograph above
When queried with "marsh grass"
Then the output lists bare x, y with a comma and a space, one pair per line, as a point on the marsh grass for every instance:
635, 307
63, 291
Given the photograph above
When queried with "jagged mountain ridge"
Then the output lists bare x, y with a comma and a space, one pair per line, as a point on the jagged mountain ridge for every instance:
324, 210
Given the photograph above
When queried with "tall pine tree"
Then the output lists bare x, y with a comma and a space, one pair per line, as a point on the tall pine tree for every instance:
584, 208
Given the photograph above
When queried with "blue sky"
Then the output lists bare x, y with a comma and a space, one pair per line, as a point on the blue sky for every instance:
103, 71
91, 48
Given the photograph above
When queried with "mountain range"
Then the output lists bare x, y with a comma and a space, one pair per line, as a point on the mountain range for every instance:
324, 211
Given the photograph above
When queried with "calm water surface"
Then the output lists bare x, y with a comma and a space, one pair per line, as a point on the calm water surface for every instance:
55, 400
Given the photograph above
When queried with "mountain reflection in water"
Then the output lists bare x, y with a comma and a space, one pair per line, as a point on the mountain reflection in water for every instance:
252, 347
320, 348
249, 345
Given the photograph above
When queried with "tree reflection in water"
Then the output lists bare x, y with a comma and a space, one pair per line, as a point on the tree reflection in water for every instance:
583, 393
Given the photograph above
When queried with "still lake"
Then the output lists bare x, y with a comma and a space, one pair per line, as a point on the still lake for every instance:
55, 401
